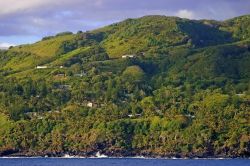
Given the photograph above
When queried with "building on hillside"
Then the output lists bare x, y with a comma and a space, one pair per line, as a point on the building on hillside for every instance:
240, 94
130, 115
60, 75
128, 56
90, 104
41, 67
134, 115
80, 74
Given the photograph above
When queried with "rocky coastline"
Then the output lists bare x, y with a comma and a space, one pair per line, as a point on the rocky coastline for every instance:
118, 154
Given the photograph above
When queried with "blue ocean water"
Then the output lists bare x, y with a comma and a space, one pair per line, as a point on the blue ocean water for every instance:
119, 162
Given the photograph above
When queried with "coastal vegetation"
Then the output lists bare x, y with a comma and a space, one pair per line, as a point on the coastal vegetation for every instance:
154, 86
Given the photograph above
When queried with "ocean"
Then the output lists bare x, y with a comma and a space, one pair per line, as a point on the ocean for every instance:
121, 162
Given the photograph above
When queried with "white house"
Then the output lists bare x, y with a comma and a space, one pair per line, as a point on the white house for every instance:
128, 56
90, 104
80, 74
130, 115
240, 94
41, 67
60, 75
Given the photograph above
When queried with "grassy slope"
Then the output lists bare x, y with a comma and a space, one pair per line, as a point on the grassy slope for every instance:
36, 54
147, 34
133, 36
45, 48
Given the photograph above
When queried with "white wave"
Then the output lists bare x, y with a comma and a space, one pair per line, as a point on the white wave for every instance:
99, 155
139, 157
68, 156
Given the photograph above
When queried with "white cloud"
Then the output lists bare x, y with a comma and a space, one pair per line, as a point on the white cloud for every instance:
11, 6
184, 13
22, 6
5, 45
39, 18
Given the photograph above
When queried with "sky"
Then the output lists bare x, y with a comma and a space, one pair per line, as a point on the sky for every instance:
27, 21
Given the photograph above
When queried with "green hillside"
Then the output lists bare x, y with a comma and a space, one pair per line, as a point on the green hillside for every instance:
155, 86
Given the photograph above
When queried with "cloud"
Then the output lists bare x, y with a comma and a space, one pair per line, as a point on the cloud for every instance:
185, 14
39, 18
6, 45
12, 6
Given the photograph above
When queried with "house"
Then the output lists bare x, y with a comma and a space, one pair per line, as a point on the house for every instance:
41, 67
90, 104
40, 117
135, 115
60, 75
190, 116
130, 115
80, 74
240, 94
128, 56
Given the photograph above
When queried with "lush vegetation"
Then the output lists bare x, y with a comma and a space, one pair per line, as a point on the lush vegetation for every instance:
184, 90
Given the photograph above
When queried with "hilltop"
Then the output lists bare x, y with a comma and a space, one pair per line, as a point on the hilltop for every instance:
156, 86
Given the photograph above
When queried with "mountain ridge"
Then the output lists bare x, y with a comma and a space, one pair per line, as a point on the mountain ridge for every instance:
183, 38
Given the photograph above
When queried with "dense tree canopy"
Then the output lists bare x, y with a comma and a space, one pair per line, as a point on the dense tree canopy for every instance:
155, 86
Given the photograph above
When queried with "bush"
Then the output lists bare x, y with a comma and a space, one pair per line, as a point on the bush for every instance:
64, 33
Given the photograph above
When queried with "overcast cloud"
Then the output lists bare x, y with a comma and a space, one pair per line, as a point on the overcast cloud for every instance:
23, 21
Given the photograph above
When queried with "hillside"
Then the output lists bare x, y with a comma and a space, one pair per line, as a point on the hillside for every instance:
155, 86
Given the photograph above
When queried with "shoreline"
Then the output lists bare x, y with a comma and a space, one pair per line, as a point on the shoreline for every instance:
129, 157
119, 155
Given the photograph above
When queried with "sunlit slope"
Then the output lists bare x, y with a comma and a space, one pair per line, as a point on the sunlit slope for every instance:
149, 35
42, 52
